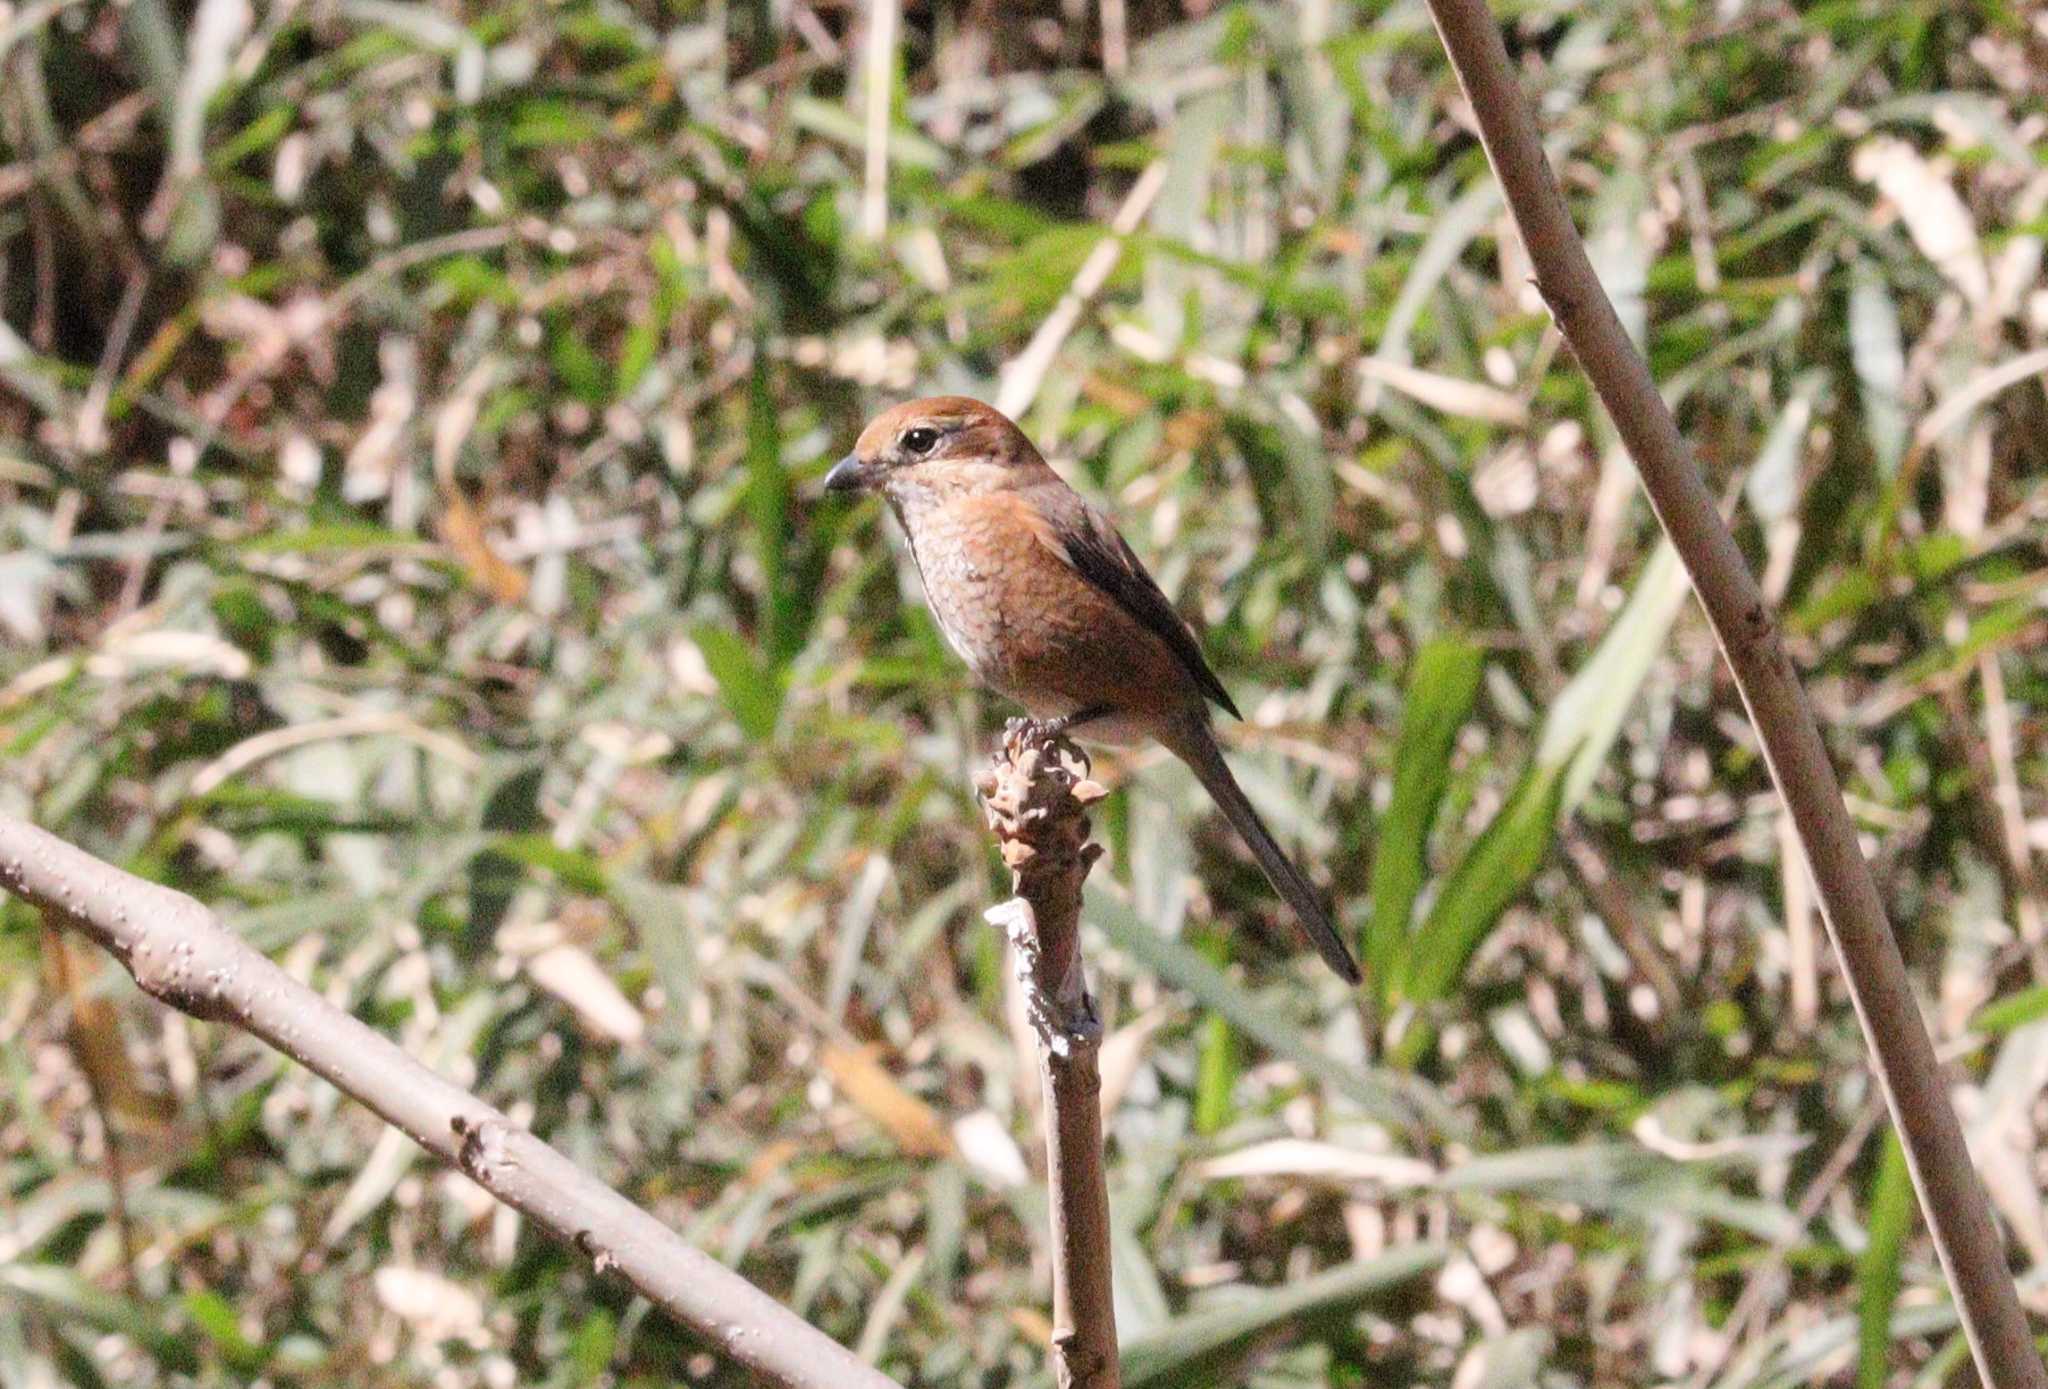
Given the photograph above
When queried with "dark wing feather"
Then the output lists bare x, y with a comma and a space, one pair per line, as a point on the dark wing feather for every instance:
1105, 559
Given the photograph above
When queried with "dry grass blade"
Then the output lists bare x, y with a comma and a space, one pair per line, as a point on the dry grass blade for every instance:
1025, 373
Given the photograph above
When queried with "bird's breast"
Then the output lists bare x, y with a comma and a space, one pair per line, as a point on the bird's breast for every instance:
1023, 619
962, 557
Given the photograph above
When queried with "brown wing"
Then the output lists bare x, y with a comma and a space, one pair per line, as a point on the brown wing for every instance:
1086, 540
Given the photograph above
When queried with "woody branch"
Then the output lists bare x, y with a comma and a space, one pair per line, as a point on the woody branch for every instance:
1036, 795
183, 955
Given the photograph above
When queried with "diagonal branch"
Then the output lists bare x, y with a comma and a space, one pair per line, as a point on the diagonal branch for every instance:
185, 956
1748, 634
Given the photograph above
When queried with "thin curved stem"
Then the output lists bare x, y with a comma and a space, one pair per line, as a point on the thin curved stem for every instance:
1950, 1196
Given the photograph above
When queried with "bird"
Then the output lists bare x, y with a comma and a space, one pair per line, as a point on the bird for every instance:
1034, 588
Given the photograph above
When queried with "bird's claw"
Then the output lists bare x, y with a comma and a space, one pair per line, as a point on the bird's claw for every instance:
1042, 733
1044, 730
1029, 733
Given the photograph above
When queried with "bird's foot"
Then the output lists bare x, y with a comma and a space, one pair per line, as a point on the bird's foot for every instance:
1044, 730
1042, 733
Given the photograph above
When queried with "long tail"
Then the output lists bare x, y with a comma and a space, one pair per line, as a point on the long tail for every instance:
1193, 743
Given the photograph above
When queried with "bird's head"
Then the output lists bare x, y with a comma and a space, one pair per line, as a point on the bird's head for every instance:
943, 446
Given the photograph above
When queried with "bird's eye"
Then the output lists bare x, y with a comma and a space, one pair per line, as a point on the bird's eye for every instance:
920, 440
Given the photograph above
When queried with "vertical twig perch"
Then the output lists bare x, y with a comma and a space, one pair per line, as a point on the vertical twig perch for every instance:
1900, 1052
1036, 795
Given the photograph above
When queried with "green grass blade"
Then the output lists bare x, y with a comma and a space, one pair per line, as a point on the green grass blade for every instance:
1877, 1272
1184, 968
1581, 728
1216, 1075
1441, 689
66, 1293
1194, 1349
768, 509
752, 692
2012, 1011
1586, 717
1490, 877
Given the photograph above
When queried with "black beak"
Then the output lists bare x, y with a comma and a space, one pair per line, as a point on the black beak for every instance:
849, 474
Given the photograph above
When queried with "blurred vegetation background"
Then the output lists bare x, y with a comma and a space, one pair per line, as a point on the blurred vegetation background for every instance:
408, 417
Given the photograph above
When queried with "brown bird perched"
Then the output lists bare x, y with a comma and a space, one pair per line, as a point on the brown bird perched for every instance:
1047, 604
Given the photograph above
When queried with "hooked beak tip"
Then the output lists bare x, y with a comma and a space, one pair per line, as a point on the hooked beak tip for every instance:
847, 475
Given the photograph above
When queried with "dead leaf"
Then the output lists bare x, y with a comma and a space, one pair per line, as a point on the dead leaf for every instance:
985, 1143
462, 530
1301, 1157
436, 1308
1123, 1052
568, 972
1920, 192
770, 1160
1450, 394
912, 1123
95, 1034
